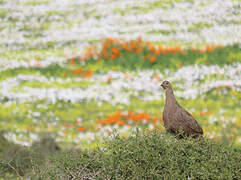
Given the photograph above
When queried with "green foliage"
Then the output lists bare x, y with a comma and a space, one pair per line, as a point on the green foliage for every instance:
13, 158
133, 61
53, 70
147, 156
20, 160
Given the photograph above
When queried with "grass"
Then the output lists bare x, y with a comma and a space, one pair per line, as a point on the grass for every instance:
68, 84
149, 155
148, 6
92, 111
62, 116
53, 70
214, 110
38, 54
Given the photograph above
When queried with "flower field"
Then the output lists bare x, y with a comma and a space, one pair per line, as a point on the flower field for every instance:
80, 69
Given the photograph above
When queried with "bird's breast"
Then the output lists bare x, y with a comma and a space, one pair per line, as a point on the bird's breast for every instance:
168, 113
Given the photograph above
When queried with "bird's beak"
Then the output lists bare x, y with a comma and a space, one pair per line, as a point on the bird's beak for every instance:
162, 86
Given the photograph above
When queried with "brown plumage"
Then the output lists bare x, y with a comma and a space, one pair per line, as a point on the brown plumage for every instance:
176, 118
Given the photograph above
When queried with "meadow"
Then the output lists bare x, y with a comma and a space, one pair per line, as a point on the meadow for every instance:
77, 70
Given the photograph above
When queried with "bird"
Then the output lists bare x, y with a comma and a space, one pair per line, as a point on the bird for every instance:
176, 119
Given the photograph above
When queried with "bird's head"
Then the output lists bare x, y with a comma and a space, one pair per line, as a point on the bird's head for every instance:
166, 85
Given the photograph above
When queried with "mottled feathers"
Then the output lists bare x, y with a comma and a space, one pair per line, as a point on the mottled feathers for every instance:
176, 119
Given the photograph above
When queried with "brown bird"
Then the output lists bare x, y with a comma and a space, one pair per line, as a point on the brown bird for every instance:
176, 119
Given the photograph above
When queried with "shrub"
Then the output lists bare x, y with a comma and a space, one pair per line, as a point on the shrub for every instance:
20, 160
147, 156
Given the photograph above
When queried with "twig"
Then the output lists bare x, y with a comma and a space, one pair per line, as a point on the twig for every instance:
8, 164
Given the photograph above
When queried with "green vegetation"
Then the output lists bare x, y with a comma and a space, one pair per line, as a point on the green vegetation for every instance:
65, 111
170, 60
54, 117
150, 155
222, 56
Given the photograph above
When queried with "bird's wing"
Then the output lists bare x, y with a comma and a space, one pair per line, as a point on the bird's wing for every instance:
185, 119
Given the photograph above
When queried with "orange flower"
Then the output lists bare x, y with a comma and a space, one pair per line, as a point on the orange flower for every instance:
157, 77
157, 52
133, 44
202, 50
72, 61
122, 119
88, 74
120, 122
112, 48
77, 71
209, 48
113, 118
160, 48
115, 51
124, 46
108, 79
81, 129
171, 50
152, 59
109, 40
151, 47
202, 113
113, 56
138, 50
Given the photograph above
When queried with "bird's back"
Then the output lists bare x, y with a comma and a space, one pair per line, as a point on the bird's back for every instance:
185, 120
176, 117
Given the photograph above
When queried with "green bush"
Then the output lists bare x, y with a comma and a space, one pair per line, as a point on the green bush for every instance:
21, 161
146, 156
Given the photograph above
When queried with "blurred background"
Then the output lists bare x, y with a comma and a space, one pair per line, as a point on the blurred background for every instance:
77, 69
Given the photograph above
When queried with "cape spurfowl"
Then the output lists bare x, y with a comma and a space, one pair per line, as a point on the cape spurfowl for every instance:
176, 119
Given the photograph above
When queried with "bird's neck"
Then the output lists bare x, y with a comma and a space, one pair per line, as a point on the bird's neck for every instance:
170, 98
